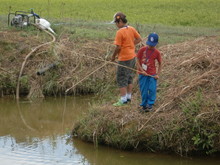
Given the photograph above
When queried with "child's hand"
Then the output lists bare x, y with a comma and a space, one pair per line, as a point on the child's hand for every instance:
143, 72
113, 59
156, 77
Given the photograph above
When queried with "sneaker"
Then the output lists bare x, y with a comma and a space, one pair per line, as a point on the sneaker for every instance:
142, 109
119, 103
150, 108
145, 109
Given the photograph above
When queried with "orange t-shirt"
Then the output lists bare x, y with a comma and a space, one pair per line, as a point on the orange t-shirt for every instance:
125, 38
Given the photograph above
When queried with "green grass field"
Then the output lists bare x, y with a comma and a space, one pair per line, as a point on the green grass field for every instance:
174, 20
198, 13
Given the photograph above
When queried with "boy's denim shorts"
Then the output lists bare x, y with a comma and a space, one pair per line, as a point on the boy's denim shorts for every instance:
124, 75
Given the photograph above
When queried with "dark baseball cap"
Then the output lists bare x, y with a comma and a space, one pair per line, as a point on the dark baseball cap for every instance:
118, 16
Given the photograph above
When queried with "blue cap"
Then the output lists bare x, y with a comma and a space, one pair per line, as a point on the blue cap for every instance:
152, 39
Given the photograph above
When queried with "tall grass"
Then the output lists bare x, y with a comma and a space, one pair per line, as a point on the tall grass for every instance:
200, 13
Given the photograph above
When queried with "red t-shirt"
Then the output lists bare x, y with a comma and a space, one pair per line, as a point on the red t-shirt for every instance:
148, 57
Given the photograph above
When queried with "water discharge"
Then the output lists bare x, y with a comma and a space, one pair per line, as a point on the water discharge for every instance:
37, 133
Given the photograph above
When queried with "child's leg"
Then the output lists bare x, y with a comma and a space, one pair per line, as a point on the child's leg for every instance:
143, 84
152, 91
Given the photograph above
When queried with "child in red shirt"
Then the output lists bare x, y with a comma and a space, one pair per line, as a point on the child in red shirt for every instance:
148, 74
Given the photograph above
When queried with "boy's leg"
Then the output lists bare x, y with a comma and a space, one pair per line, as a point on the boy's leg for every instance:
129, 92
131, 75
123, 99
152, 91
123, 94
124, 80
122, 84
143, 84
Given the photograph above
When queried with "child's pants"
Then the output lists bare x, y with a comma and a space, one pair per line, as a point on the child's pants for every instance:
148, 88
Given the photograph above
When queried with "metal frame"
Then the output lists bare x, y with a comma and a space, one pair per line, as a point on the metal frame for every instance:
24, 15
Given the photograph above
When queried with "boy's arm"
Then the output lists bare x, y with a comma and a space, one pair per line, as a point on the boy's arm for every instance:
139, 68
137, 37
159, 68
138, 65
116, 52
137, 41
158, 71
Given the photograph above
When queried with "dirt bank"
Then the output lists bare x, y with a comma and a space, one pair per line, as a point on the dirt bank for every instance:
186, 117
67, 56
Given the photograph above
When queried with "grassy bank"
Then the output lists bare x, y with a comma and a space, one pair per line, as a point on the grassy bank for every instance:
200, 13
186, 116
187, 131
75, 40
185, 119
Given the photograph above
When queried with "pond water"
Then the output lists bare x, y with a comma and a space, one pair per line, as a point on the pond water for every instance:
38, 133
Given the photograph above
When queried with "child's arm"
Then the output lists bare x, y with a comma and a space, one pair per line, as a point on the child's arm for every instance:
159, 60
140, 69
137, 41
158, 71
116, 52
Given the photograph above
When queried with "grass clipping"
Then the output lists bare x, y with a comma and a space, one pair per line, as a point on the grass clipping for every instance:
186, 117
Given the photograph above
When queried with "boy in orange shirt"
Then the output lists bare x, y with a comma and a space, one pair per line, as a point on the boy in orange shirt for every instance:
126, 39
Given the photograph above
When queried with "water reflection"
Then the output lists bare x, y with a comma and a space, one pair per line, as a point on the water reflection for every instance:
36, 133
45, 117
109, 156
51, 150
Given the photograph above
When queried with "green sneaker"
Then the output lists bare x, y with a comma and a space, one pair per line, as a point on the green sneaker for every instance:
119, 103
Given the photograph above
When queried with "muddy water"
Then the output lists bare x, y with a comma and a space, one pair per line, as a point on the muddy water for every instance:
37, 133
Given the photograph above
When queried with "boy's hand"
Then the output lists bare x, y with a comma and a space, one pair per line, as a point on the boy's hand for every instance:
143, 72
113, 59
156, 77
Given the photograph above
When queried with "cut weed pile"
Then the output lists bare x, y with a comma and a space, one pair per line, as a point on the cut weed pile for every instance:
186, 117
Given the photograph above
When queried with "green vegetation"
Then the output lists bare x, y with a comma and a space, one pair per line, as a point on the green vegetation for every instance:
185, 119
187, 122
198, 130
79, 31
174, 20
191, 131
200, 13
